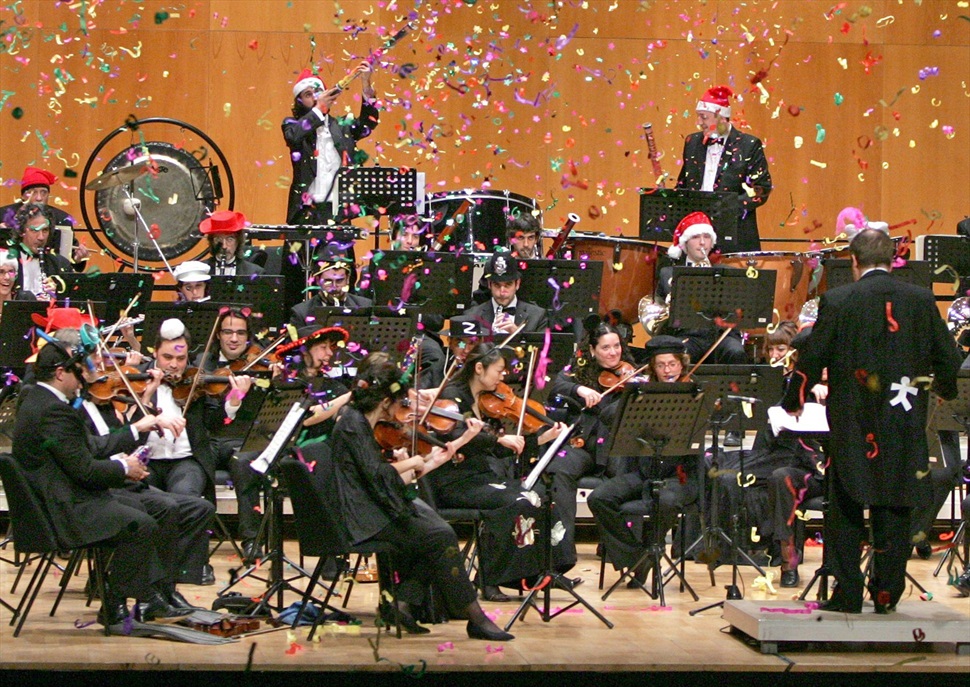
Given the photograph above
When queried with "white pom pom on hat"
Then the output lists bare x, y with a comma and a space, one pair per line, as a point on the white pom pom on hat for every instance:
171, 329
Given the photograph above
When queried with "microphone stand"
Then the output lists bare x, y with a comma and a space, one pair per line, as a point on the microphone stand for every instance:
139, 218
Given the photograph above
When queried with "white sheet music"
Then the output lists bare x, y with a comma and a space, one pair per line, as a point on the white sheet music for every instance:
262, 463
813, 419
550, 453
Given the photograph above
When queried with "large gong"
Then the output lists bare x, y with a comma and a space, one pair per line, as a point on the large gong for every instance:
173, 186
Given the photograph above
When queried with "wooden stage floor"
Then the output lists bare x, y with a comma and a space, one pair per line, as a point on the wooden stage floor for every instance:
645, 639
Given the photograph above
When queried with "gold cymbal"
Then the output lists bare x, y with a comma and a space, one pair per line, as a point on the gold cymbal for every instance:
117, 177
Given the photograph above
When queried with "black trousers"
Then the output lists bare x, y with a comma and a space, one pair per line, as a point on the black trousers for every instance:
178, 476
135, 569
934, 489
846, 534
426, 550
781, 503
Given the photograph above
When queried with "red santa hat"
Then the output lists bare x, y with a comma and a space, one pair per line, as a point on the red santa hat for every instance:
34, 176
716, 100
692, 225
305, 80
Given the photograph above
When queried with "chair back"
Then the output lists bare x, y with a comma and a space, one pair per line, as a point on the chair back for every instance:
32, 528
319, 523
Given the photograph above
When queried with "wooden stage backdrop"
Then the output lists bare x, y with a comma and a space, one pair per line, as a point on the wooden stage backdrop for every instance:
858, 103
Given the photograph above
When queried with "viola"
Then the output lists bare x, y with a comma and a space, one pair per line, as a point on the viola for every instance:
110, 386
617, 376
394, 435
442, 416
503, 404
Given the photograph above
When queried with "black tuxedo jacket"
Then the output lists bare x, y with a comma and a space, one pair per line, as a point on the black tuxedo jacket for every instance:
60, 457
301, 137
301, 311
742, 162
536, 319
870, 335
244, 268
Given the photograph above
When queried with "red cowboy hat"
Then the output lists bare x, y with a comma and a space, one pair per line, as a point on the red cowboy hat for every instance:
62, 318
311, 337
223, 222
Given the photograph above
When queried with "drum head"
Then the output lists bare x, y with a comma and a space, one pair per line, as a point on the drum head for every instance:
176, 199
483, 227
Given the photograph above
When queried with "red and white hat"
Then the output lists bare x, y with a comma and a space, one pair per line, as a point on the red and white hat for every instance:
34, 176
694, 224
716, 100
305, 80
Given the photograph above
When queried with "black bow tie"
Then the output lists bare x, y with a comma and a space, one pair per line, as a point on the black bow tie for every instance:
509, 311
713, 140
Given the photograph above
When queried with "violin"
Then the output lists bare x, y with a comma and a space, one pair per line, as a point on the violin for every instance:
617, 376
394, 435
441, 417
252, 360
110, 386
503, 404
214, 384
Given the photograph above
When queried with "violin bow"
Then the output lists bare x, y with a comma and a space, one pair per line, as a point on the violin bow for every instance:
526, 390
624, 380
710, 350
107, 354
265, 352
198, 371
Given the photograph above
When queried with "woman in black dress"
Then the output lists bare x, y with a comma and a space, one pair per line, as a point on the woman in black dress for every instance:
510, 548
378, 504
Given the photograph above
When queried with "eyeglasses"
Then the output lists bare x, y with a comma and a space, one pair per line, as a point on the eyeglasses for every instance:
667, 366
230, 332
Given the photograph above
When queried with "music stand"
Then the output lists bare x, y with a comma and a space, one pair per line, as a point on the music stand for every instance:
661, 210
550, 577
838, 272
264, 291
469, 270
954, 415
427, 279
197, 318
372, 329
117, 289
15, 328
940, 250
377, 191
561, 349
700, 295
763, 382
577, 290
269, 436
653, 420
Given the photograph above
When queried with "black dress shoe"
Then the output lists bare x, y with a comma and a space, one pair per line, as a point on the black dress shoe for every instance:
479, 632
568, 583
789, 578
924, 550
962, 583
492, 593
113, 613
208, 576
176, 599
391, 614
252, 551
156, 608
732, 439
882, 602
838, 605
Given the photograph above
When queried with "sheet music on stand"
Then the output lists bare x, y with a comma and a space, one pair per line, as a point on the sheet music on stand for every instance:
699, 295
661, 210
379, 191
813, 420
652, 413
277, 423
547, 457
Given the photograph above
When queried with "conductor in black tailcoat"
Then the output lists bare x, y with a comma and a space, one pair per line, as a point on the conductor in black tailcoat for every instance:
721, 158
880, 339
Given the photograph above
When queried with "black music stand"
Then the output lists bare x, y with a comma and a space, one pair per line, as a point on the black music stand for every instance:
378, 192
955, 415
940, 250
264, 291
653, 420
701, 295
838, 272
428, 279
661, 210
269, 436
117, 289
577, 290
198, 319
15, 328
469, 268
372, 329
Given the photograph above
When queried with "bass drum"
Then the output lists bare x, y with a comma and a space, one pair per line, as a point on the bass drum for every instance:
791, 282
629, 270
482, 227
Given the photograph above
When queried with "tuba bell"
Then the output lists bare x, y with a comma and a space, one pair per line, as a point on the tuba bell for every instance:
958, 320
652, 315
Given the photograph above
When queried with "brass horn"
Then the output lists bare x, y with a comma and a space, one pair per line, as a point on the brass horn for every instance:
958, 320
652, 315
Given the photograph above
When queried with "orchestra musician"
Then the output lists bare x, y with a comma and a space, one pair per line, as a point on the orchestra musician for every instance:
876, 336
31, 232
69, 474
504, 312
580, 385
480, 478
622, 536
721, 158
193, 281
523, 235
378, 506
9, 268
226, 232
320, 143
333, 282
